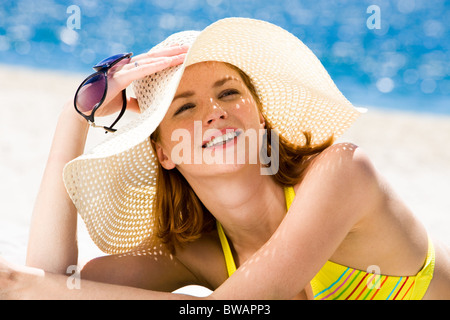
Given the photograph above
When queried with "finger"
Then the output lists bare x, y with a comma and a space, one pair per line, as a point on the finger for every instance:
124, 76
162, 64
152, 67
162, 52
136, 63
159, 54
168, 51
119, 65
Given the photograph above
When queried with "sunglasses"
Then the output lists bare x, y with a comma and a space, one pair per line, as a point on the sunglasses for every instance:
92, 91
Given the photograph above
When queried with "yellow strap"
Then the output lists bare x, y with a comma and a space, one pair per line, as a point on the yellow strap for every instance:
229, 261
289, 194
424, 276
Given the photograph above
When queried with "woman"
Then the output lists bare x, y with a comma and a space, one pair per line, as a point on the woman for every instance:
311, 220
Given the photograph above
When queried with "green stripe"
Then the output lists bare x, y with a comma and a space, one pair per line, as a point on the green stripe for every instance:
374, 287
329, 288
354, 278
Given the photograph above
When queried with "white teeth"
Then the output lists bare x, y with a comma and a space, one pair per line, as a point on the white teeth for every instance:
222, 139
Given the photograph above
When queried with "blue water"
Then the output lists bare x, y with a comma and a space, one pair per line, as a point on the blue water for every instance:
403, 64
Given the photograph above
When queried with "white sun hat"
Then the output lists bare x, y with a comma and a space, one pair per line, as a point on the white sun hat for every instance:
113, 185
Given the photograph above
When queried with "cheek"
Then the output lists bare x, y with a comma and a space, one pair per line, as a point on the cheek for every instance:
168, 137
181, 133
247, 109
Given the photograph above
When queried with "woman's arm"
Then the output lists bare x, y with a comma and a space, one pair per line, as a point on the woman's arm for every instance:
52, 242
337, 192
333, 197
27, 283
152, 267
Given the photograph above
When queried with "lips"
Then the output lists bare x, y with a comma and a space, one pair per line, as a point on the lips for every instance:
221, 137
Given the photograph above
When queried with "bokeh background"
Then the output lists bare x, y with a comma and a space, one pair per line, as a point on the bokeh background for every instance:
407, 56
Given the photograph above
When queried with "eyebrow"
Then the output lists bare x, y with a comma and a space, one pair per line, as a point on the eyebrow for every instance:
186, 94
220, 83
216, 84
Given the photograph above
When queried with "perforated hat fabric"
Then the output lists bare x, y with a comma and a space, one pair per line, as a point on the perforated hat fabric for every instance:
112, 186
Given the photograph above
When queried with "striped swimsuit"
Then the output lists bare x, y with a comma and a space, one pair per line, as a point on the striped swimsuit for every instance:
338, 282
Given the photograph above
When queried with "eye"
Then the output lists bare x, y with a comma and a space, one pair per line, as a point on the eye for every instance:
184, 107
227, 93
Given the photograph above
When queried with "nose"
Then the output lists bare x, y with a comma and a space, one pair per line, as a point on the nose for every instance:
214, 113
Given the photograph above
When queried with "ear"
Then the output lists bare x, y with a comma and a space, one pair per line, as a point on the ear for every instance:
163, 158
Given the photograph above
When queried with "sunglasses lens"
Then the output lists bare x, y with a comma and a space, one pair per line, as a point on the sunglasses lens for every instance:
91, 93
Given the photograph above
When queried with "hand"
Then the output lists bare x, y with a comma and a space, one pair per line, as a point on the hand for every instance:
15, 280
126, 71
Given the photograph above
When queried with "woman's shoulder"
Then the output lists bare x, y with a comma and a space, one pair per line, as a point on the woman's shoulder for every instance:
345, 152
343, 160
343, 174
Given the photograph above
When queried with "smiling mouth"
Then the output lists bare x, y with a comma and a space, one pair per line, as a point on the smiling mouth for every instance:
220, 140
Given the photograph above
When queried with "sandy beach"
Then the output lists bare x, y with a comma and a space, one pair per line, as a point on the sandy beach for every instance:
410, 150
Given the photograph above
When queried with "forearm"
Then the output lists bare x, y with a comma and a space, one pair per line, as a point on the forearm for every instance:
50, 286
52, 241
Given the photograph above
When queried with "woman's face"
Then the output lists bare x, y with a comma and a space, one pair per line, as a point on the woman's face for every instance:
213, 124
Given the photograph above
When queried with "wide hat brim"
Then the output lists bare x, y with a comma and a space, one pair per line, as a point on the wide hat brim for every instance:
113, 185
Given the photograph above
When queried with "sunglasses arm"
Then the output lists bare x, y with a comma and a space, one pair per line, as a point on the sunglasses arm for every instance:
110, 128
124, 107
93, 125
